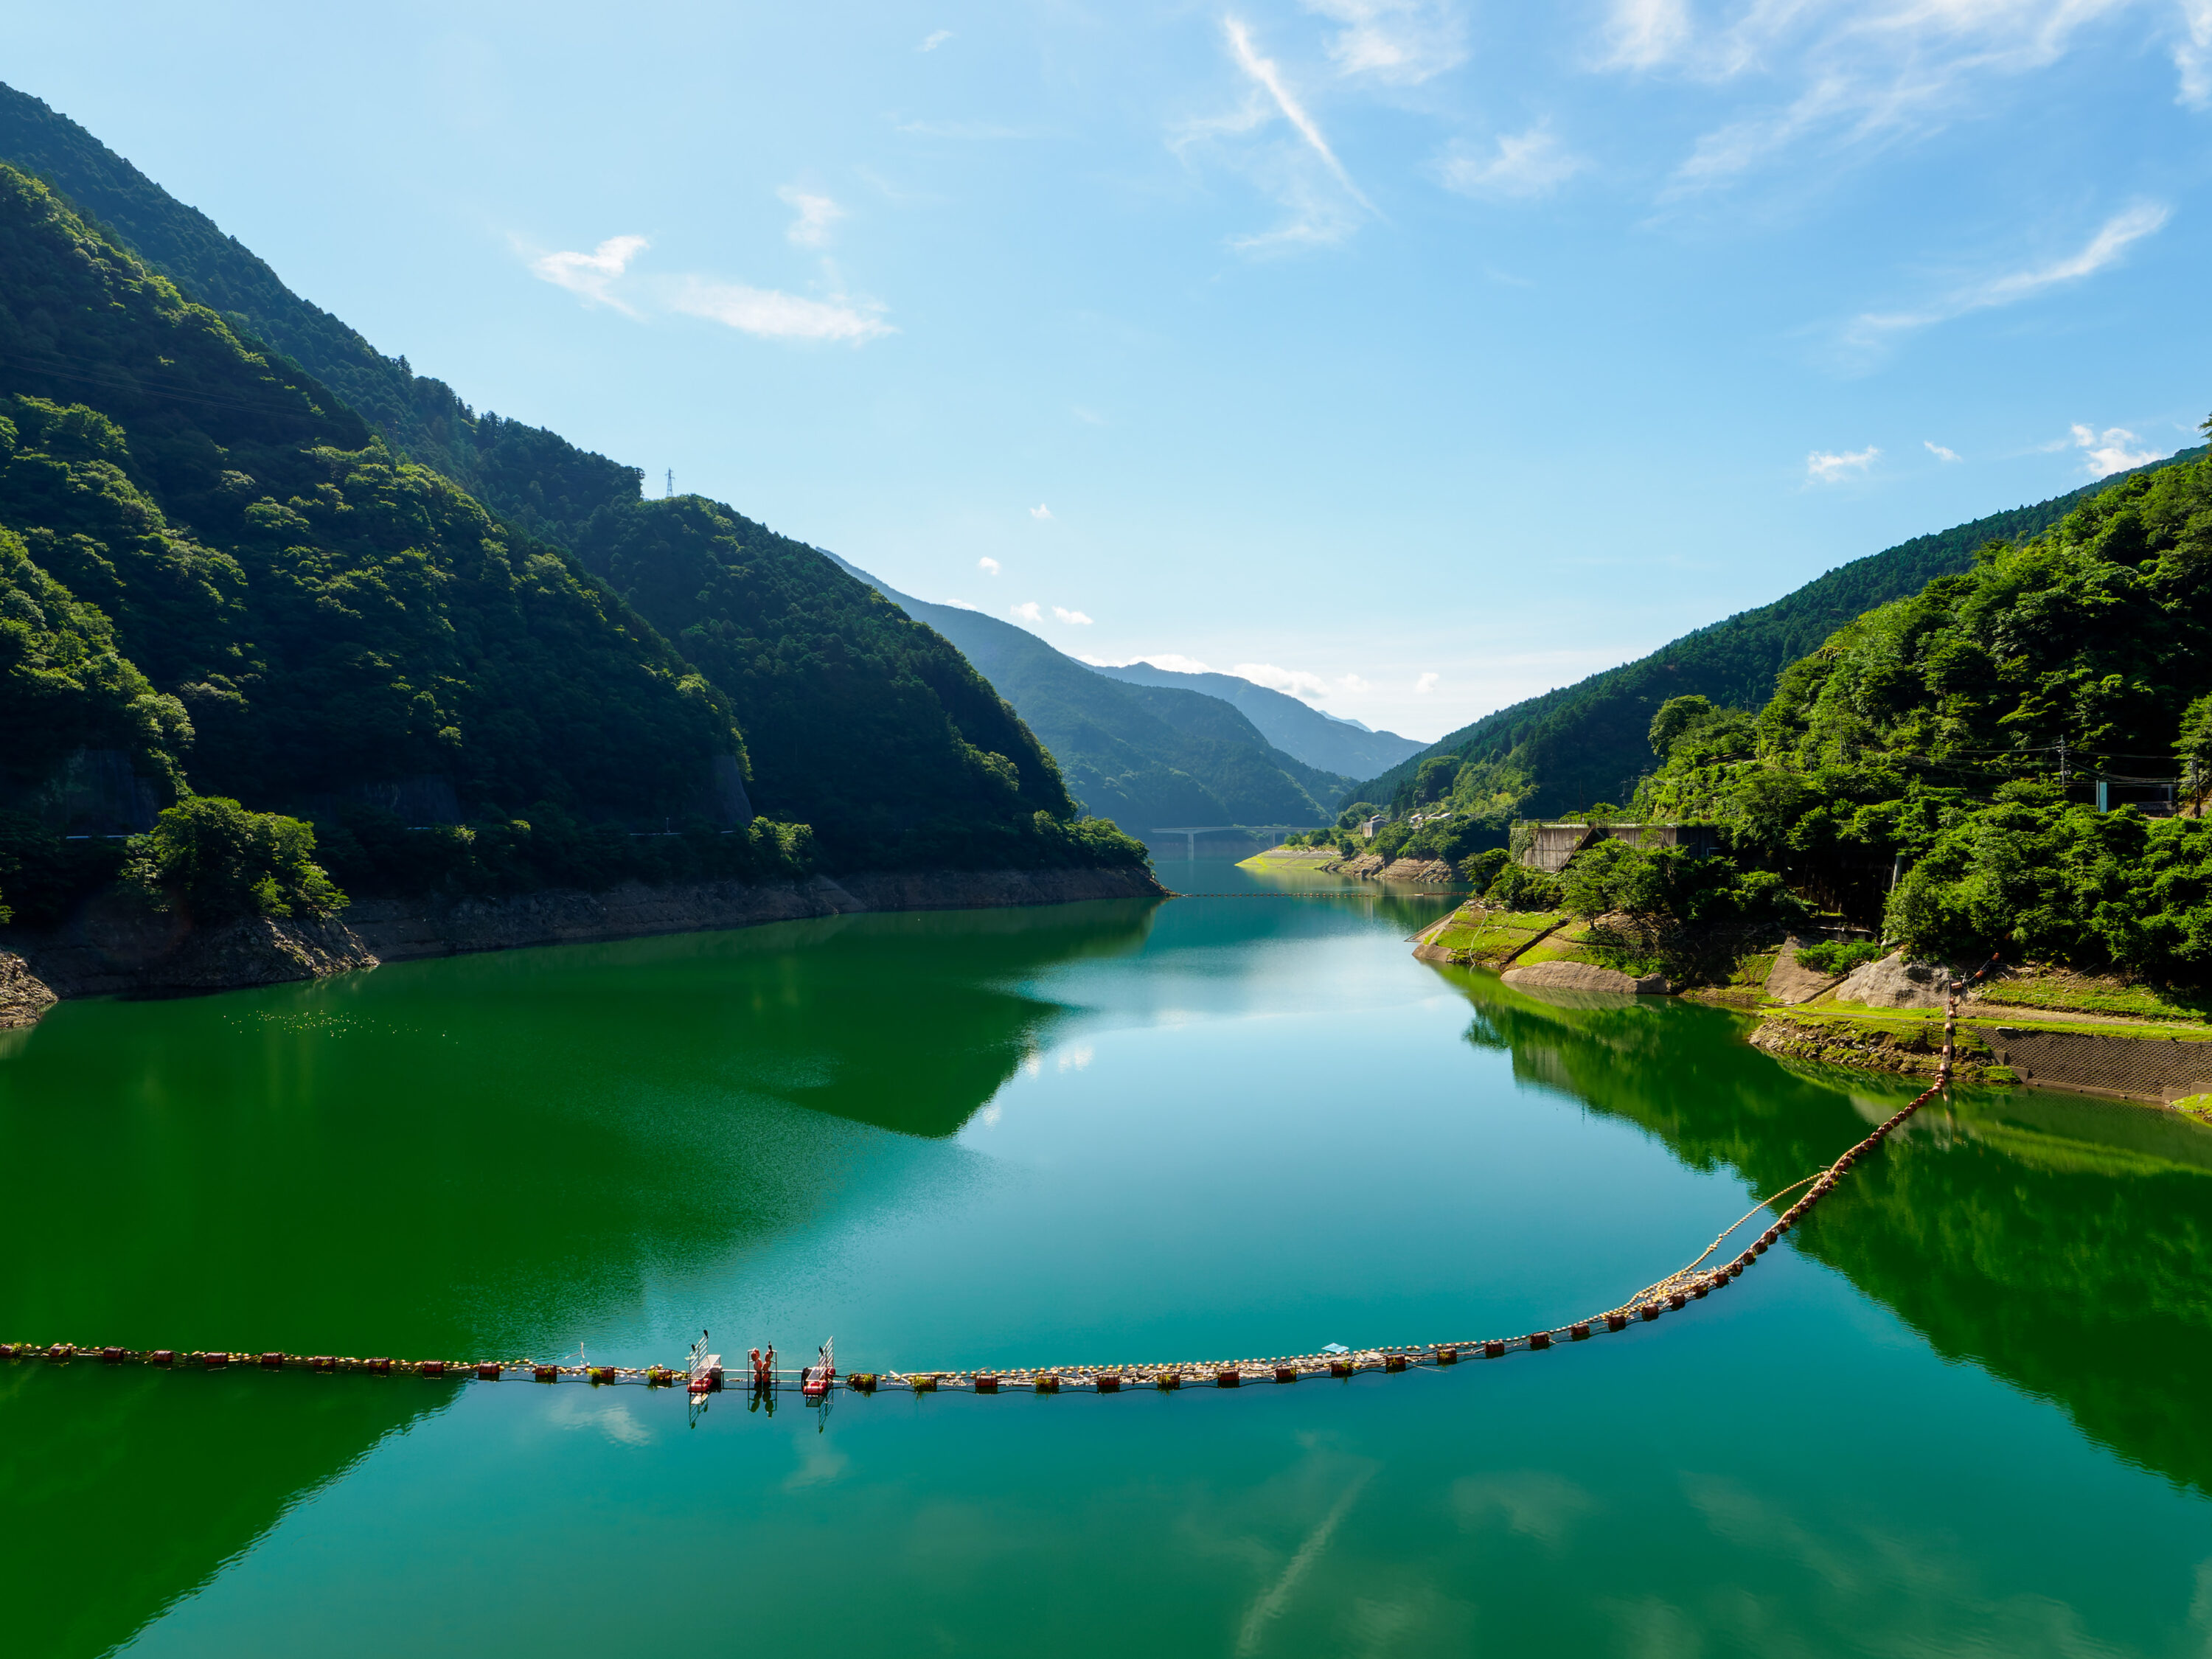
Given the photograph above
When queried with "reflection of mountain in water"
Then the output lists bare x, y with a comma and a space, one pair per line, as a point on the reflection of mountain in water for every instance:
146, 1484
2063, 1243
480, 1156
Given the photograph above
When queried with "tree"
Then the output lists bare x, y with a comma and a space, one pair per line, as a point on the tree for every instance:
222, 861
1676, 716
2193, 748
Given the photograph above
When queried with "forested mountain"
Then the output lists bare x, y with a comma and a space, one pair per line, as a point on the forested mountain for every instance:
308, 613
216, 567
528, 475
1148, 757
1588, 742
1956, 732
862, 722
1296, 728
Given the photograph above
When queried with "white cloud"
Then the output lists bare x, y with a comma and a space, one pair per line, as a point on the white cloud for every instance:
934, 40
1078, 1058
987, 565
2112, 240
1074, 617
1823, 468
1938, 451
1523, 164
2192, 55
1352, 683
1029, 611
2108, 450
1040, 511
1865, 72
590, 274
775, 315
1404, 42
1644, 33
1296, 681
816, 214
1268, 75
1427, 683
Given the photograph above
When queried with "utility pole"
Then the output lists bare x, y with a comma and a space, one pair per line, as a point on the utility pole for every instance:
2064, 775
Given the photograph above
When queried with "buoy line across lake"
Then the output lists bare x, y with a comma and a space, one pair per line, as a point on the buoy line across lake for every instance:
1670, 1294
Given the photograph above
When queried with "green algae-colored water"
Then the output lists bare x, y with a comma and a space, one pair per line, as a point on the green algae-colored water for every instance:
1965, 1411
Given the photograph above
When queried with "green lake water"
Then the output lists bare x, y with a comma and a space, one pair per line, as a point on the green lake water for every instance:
1966, 1410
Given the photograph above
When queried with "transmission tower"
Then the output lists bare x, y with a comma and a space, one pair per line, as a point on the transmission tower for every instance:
669, 488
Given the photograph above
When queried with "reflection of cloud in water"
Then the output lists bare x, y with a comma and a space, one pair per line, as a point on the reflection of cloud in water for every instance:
1534, 1502
1078, 1058
576, 1407
818, 1464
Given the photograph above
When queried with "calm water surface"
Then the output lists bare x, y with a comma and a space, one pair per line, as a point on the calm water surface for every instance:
1964, 1412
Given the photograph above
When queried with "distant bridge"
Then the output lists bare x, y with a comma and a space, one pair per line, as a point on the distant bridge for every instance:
1192, 832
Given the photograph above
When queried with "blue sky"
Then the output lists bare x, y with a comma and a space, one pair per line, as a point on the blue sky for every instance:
1412, 354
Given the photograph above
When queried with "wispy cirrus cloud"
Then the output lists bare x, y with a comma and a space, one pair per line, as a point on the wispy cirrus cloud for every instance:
1848, 74
1938, 450
1822, 466
1323, 203
934, 40
593, 276
1403, 42
2192, 55
1520, 164
817, 213
2105, 248
1268, 75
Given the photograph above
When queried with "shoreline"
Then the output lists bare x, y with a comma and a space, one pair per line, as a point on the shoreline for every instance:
112, 948
1884, 1017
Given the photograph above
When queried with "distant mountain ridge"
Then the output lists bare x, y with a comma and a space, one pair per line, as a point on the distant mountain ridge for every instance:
1149, 757
1295, 728
1590, 742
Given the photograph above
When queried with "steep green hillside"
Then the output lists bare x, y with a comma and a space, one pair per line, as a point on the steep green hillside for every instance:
864, 725
863, 722
325, 616
1958, 733
1147, 757
1587, 743
1297, 729
530, 477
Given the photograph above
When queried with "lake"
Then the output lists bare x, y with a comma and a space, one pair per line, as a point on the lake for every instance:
1962, 1411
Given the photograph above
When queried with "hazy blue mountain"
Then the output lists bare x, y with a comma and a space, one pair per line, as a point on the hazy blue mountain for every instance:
1149, 757
1590, 741
1295, 728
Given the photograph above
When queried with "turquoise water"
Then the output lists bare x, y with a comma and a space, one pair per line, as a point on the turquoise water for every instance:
1962, 1412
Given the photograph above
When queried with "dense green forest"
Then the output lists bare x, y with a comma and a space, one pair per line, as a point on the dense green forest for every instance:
212, 567
531, 477
1147, 757
1585, 742
1930, 768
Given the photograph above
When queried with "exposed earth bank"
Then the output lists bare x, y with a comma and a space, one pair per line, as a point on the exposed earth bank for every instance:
115, 947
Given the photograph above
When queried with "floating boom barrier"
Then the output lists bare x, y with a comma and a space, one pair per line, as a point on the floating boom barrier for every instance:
705, 1374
